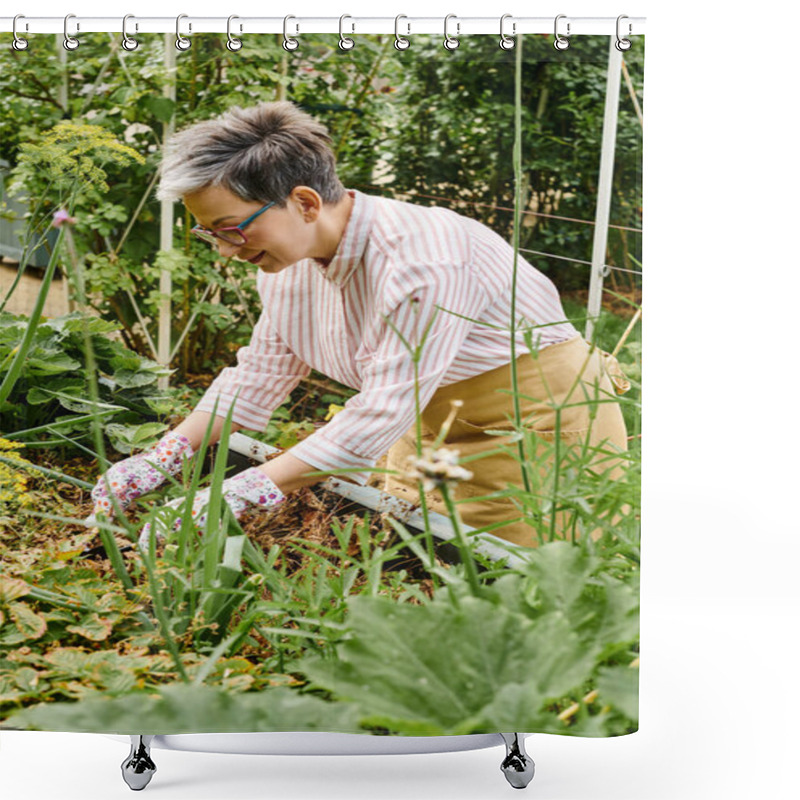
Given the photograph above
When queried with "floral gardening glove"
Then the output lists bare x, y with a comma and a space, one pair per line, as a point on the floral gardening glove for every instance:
249, 488
137, 475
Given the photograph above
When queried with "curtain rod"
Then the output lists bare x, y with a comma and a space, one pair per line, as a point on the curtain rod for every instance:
298, 25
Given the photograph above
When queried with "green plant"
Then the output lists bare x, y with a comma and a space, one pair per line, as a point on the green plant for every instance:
559, 627
53, 379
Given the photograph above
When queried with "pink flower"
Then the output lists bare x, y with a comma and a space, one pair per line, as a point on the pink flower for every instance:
61, 216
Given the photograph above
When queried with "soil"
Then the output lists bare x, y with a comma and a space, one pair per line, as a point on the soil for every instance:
306, 514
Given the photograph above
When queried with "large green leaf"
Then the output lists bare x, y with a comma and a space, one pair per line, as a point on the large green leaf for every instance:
80, 405
29, 624
131, 379
93, 627
183, 708
562, 579
69, 386
127, 438
449, 669
618, 687
50, 363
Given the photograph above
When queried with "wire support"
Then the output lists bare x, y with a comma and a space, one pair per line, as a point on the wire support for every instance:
478, 204
579, 261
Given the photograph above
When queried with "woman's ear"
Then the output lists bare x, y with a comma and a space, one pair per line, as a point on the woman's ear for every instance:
307, 201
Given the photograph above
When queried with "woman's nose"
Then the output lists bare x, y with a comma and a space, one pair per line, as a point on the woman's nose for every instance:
226, 249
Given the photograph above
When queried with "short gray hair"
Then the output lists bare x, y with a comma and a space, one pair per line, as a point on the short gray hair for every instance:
259, 153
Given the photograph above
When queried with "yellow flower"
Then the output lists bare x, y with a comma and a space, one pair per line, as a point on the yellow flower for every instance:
333, 410
13, 480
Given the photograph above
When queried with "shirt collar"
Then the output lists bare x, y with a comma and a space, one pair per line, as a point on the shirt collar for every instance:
354, 240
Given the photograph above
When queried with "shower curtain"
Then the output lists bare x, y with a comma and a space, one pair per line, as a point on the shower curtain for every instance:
481, 572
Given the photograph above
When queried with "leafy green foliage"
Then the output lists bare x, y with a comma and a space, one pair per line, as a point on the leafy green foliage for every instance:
54, 380
497, 662
455, 134
193, 709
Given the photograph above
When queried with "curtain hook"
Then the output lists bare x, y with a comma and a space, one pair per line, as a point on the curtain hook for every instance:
506, 42
623, 44
70, 42
181, 42
345, 42
400, 42
561, 42
128, 43
289, 43
233, 44
19, 43
450, 42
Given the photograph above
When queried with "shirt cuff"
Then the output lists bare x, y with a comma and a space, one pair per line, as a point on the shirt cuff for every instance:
323, 454
248, 415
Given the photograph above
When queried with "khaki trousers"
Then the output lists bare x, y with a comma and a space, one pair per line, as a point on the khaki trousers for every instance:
569, 375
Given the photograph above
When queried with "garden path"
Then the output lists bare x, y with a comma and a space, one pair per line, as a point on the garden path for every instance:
24, 297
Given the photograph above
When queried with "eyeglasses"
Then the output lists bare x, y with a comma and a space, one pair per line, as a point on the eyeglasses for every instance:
234, 235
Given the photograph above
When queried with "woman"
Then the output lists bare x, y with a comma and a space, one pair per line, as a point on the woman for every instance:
353, 286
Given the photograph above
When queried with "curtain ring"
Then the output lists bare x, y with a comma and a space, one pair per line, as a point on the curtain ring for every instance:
181, 42
70, 42
19, 43
233, 44
450, 42
345, 42
127, 42
506, 42
400, 42
623, 44
561, 42
289, 43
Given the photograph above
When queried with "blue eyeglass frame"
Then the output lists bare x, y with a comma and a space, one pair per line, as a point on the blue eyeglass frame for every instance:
203, 233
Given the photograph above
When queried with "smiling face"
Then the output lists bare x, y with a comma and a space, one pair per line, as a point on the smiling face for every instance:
276, 239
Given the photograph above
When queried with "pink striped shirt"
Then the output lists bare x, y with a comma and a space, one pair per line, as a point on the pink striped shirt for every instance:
395, 264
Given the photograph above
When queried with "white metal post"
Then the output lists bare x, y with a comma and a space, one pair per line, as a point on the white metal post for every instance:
167, 221
604, 185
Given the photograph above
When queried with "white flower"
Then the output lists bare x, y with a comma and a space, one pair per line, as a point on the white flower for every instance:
436, 468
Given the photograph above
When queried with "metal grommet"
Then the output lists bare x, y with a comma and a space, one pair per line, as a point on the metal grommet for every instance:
70, 42
400, 42
560, 42
181, 42
506, 42
233, 44
19, 43
623, 44
345, 42
450, 42
127, 42
289, 43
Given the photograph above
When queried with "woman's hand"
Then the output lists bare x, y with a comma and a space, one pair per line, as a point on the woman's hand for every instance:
129, 479
253, 487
